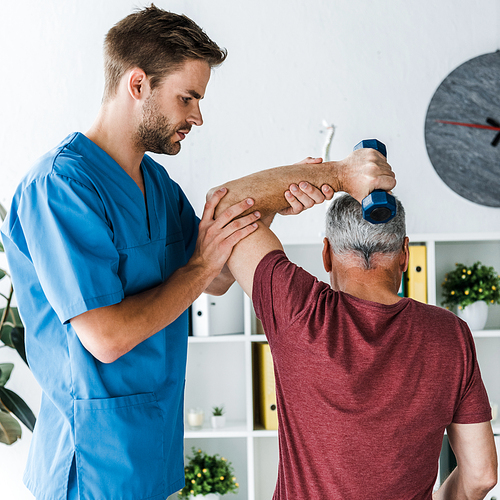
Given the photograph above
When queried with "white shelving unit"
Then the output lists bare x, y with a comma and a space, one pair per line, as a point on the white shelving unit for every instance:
220, 367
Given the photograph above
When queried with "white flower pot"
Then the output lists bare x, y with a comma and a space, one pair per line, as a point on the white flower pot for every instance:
218, 421
210, 496
475, 315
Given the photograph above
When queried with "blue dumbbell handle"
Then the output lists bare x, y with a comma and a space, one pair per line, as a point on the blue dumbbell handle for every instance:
385, 203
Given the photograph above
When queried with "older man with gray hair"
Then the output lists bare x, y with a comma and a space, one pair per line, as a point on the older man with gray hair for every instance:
367, 382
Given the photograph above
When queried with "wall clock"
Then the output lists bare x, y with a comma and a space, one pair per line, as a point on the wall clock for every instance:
462, 130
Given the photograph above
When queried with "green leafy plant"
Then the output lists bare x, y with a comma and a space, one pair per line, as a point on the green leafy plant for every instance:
12, 408
465, 285
218, 411
208, 474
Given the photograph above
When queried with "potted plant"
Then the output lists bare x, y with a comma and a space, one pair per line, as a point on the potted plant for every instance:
208, 476
12, 408
471, 290
218, 417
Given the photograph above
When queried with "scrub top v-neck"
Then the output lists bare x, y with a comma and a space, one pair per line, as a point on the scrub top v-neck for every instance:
80, 236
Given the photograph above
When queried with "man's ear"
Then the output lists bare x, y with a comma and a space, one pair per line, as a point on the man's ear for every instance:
327, 256
138, 84
405, 255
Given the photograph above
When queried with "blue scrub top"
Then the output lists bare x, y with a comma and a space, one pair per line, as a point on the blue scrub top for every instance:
79, 237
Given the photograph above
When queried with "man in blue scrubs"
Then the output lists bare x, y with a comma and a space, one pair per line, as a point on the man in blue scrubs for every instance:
107, 255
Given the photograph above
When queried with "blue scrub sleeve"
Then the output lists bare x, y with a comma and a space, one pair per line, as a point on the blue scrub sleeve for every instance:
190, 223
70, 244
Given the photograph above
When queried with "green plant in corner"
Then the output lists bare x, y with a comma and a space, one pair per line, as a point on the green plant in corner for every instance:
12, 408
208, 474
218, 411
465, 285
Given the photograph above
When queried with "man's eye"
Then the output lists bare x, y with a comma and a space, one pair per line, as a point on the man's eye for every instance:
185, 100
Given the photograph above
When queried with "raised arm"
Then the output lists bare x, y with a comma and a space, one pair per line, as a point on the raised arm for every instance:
360, 173
476, 471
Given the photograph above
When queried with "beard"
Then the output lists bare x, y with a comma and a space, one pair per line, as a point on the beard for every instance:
155, 132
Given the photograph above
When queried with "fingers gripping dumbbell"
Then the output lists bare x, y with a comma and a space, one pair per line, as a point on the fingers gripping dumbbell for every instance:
379, 206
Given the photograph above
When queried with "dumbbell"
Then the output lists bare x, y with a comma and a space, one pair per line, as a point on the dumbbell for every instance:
379, 206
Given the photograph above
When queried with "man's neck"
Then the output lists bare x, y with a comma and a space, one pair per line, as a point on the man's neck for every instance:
112, 131
376, 285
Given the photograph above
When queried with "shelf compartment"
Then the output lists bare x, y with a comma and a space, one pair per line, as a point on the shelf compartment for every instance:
234, 450
265, 466
215, 377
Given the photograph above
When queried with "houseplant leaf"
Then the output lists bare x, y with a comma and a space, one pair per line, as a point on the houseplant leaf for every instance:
12, 320
3, 212
10, 430
18, 407
5, 371
17, 338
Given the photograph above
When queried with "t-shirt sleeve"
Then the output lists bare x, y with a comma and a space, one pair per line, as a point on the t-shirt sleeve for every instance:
473, 406
63, 225
282, 291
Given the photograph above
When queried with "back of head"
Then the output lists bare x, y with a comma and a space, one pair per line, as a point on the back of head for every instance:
352, 237
157, 41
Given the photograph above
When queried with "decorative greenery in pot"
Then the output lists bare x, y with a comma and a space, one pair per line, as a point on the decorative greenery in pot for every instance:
207, 474
218, 418
465, 285
218, 411
11, 335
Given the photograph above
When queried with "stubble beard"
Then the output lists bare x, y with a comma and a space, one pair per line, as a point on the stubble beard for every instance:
155, 133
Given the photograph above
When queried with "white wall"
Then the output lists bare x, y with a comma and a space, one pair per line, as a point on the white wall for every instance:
370, 68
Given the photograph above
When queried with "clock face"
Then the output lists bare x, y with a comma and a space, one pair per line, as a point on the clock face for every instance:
462, 130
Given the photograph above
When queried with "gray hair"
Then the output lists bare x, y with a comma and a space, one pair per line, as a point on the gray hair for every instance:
351, 236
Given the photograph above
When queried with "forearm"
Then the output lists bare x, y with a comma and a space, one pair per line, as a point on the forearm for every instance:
267, 187
359, 174
221, 284
110, 332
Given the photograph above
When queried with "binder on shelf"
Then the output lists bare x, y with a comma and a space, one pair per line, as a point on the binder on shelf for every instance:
417, 273
266, 391
402, 292
223, 315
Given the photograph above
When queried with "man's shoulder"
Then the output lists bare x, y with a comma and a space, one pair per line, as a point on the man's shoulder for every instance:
62, 160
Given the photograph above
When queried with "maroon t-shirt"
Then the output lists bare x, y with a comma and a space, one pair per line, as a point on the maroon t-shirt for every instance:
364, 390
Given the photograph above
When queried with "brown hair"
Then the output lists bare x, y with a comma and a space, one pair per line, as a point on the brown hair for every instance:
158, 42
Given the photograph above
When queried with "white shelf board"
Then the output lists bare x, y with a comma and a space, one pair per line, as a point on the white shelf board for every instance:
232, 429
236, 337
453, 237
486, 333
258, 338
264, 433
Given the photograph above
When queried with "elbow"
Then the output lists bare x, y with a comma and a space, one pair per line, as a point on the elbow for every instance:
105, 352
102, 345
485, 481
491, 480
106, 356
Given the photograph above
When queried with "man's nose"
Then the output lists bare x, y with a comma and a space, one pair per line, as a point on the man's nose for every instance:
195, 117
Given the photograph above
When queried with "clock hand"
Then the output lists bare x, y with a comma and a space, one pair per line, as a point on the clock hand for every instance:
496, 139
473, 125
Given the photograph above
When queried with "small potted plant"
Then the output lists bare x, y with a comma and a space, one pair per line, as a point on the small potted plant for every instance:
208, 476
471, 290
218, 417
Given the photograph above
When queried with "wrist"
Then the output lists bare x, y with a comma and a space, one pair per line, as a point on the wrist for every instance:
334, 171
